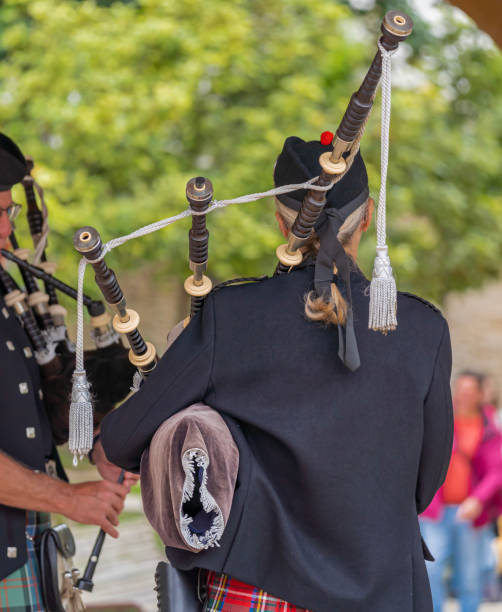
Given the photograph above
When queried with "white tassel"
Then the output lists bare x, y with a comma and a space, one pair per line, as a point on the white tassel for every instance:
81, 421
383, 292
81, 412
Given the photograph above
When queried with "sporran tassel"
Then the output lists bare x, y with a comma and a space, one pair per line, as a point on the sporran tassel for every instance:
81, 421
383, 292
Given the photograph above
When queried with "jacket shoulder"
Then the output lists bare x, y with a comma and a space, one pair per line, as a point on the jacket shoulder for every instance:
239, 281
416, 300
273, 295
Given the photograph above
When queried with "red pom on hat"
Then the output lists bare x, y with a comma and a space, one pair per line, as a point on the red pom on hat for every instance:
327, 138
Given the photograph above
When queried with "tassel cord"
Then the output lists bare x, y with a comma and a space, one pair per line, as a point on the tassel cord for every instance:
384, 151
383, 293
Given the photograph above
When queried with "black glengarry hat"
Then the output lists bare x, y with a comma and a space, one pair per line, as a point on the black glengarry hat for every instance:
299, 162
12, 163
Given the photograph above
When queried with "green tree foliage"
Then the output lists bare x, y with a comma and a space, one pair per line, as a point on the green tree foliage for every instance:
120, 103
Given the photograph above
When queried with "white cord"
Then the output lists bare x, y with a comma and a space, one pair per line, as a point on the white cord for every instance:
79, 354
383, 292
384, 151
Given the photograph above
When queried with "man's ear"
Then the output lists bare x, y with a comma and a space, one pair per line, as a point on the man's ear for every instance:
282, 224
368, 215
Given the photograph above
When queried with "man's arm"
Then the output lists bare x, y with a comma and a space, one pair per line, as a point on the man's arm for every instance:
490, 483
438, 427
180, 379
95, 503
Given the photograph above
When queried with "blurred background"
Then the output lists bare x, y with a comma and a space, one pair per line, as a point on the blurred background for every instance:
121, 102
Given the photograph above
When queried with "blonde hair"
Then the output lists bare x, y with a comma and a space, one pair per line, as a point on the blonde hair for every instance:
333, 311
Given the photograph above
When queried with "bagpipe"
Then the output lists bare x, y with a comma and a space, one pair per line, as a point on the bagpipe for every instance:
44, 321
396, 27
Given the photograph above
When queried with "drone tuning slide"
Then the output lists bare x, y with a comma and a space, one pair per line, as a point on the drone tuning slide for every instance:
199, 193
87, 242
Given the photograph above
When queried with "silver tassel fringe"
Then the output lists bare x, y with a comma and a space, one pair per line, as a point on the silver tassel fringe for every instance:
137, 381
383, 294
81, 421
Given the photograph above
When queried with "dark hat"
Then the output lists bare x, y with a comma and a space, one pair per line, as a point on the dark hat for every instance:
299, 162
12, 163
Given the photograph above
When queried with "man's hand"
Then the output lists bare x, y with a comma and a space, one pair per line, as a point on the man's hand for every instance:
108, 470
96, 503
470, 509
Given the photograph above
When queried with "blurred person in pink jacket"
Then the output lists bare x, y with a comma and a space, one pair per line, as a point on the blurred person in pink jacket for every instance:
491, 398
456, 522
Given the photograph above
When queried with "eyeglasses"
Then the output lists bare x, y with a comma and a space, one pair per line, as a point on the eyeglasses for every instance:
12, 211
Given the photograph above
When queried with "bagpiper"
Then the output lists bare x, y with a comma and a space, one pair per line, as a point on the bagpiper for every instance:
294, 430
336, 458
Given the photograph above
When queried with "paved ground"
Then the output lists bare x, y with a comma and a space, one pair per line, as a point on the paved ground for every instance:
493, 607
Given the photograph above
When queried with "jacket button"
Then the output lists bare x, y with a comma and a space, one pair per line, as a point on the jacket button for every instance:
5, 312
41, 394
23, 388
30, 432
27, 352
10, 345
11, 552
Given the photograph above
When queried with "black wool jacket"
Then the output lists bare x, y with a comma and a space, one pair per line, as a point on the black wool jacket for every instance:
334, 465
25, 433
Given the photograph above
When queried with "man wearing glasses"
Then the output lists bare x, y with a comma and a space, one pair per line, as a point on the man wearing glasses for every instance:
27, 493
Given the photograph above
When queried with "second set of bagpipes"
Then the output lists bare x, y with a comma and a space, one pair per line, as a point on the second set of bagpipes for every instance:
396, 27
43, 317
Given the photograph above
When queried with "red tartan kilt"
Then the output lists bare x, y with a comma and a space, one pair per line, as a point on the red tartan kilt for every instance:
226, 594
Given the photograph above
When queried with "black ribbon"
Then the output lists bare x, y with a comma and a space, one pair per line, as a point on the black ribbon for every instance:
332, 252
